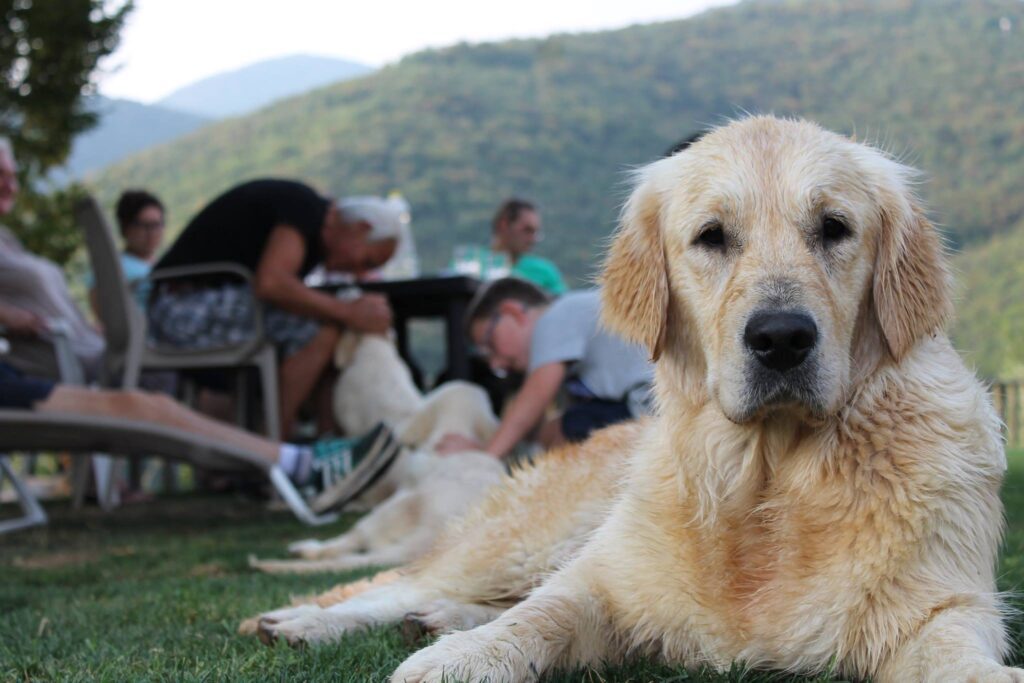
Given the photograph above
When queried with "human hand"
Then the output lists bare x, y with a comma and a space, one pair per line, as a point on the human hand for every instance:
370, 313
457, 443
23, 322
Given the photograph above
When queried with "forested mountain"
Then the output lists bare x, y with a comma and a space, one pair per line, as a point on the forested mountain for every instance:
244, 90
940, 83
990, 305
126, 127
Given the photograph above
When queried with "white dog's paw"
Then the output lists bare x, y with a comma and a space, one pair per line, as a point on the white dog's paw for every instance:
307, 625
268, 621
466, 657
309, 549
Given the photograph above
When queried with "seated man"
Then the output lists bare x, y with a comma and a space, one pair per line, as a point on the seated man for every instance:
515, 230
280, 230
557, 344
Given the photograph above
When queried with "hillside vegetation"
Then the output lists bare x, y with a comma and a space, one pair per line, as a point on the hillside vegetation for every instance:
125, 127
990, 306
940, 83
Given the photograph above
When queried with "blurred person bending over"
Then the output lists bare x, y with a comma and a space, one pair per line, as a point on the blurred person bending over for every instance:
280, 230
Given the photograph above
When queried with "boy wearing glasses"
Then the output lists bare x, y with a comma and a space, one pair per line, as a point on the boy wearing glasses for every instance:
556, 344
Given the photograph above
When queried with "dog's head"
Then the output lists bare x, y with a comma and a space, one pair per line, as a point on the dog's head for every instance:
776, 264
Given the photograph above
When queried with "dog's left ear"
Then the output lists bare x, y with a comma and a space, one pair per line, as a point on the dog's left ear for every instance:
634, 286
911, 285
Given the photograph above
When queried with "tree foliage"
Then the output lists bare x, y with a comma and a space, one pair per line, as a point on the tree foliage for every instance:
49, 52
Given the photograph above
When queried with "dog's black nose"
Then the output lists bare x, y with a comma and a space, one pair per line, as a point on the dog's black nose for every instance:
781, 341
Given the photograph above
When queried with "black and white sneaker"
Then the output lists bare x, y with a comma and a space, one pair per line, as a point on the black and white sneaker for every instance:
344, 468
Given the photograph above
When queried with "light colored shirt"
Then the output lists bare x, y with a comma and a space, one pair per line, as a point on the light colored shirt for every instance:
38, 285
601, 365
135, 273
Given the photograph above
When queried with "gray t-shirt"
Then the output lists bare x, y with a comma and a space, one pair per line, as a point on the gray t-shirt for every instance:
601, 364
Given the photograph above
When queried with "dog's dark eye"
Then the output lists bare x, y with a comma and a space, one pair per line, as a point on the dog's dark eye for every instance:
711, 236
833, 230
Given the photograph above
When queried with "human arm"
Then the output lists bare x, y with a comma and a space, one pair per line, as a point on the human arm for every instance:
21, 321
94, 302
277, 282
539, 390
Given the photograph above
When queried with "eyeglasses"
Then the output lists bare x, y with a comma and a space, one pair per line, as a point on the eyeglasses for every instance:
486, 346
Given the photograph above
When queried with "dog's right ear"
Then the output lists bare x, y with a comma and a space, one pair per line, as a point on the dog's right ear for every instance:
634, 286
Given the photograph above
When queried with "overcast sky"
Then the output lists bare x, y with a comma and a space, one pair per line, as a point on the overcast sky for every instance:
170, 43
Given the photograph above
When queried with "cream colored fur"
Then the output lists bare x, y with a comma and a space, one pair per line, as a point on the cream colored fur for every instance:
421, 491
374, 385
854, 526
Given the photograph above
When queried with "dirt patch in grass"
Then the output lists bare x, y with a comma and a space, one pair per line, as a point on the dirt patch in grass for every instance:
57, 560
207, 569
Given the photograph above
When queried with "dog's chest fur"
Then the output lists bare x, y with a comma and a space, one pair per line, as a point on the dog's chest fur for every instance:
788, 546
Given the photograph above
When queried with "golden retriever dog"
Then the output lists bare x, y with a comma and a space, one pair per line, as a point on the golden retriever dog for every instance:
374, 385
421, 491
485, 561
820, 487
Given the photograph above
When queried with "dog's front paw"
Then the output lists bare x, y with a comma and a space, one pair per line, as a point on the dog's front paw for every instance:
304, 625
467, 657
266, 623
309, 549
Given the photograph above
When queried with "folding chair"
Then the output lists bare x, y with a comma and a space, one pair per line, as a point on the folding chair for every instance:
124, 325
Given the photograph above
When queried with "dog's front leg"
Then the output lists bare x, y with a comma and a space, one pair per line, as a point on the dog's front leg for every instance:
560, 624
961, 643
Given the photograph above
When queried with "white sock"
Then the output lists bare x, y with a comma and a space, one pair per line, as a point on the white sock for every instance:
296, 461
288, 458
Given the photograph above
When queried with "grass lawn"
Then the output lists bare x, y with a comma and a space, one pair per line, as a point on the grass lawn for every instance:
155, 592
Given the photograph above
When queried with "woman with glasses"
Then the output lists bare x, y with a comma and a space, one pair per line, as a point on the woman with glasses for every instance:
140, 217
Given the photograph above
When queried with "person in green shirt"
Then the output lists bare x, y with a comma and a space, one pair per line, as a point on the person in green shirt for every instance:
516, 230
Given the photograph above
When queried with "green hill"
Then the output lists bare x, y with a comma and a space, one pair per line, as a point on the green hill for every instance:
559, 120
990, 307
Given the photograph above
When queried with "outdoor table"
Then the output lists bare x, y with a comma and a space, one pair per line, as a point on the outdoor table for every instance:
443, 296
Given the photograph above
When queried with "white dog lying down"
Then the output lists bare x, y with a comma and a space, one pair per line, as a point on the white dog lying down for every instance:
820, 489
421, 491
